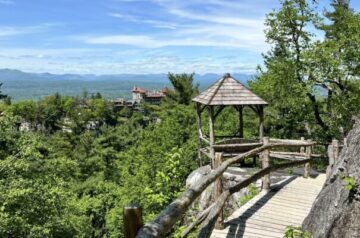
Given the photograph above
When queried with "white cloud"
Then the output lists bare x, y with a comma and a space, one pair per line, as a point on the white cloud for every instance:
219, 18
12, 31
234, 41
135, 40
218, 23
106, 61
154, 23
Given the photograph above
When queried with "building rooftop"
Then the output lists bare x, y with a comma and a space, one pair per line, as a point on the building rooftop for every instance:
139, 90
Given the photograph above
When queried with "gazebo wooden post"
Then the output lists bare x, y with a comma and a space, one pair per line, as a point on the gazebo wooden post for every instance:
261, 122
199, 126
211, 133
241, 122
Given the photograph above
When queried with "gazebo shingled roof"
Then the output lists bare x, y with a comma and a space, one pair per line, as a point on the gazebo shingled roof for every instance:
228, 91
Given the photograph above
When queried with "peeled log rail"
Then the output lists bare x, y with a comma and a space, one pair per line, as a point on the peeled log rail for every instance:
287, 156
204, 140
163, 224
221, 146
292, 155
203, 151
274, 140
297, 154
209, 222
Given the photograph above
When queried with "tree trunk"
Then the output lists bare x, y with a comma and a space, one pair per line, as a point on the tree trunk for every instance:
316, 111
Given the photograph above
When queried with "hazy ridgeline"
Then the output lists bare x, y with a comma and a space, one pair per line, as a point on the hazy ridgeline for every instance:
20, 85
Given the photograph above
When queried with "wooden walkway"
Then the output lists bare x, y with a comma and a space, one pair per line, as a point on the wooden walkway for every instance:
269, 213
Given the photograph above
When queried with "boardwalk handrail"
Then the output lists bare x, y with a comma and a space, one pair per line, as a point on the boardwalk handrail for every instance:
163, 224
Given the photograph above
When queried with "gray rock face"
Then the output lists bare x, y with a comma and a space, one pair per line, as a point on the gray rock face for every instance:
336, 211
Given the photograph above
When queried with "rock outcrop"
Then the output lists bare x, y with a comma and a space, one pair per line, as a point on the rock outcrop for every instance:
336, 211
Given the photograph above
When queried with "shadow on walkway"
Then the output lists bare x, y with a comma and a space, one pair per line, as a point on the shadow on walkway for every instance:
238, 229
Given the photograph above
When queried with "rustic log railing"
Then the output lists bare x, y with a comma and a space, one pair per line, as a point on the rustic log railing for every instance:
212, 216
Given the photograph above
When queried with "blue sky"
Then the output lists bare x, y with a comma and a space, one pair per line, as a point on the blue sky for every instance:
134, 36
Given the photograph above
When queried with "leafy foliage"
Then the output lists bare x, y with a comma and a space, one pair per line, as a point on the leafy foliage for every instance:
350, 183
253, 191
61, 177
296, 232
312, 85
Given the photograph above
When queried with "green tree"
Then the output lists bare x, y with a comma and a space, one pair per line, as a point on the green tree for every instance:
311, 84
283, 82
184, 87
34, 199
335, 67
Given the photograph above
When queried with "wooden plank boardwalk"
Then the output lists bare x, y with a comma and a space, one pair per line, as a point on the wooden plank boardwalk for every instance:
269, 213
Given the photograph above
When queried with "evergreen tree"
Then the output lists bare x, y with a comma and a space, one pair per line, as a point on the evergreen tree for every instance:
184, 87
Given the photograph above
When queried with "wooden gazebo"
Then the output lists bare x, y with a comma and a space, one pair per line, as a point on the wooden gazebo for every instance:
227, 92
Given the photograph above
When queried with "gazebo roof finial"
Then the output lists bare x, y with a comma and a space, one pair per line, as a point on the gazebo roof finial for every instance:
227, 75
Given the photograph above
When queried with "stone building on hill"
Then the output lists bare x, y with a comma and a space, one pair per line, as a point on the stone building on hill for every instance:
153, 97
141, 95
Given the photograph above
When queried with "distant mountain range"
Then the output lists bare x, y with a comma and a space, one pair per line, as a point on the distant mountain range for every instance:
23, 85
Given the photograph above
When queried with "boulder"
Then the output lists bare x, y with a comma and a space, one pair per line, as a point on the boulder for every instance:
336, 211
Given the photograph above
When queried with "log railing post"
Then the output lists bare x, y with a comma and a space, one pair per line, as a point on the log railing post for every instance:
199, 127
241, 122
211, 134
265, 161
261, 122
302, 148
307, 166
132, 220
218, 189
